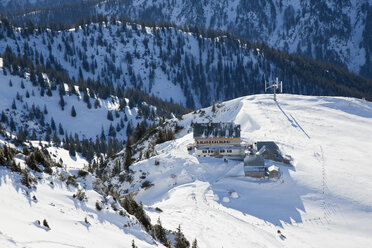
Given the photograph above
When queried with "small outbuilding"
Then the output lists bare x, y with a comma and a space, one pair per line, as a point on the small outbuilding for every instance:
254, 166
272, 152
271, 149
273, 171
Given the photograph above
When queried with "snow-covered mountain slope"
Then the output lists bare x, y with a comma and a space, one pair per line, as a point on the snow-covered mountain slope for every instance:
23, 105
335, 31
185, 67
86, 123
81, 124
321, 201
72, 222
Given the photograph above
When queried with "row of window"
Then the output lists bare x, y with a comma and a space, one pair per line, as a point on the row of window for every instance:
221, 151
213, 142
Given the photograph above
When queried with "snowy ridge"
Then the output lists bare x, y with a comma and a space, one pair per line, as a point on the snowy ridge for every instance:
174, 64
331, 31
301, 27
321, 201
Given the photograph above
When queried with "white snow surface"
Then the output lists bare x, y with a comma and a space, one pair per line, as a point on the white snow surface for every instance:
54, 202
323, 200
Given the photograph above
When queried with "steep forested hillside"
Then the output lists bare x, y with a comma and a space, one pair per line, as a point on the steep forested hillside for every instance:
186, 66
88, 118
336, 31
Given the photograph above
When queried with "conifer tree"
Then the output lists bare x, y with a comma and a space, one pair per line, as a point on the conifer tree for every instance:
110, 117
73, 112
60, 129
14, 106
128, 155
56, 139
195, 244
45, 110
4, 118
52, 124
112, 131
160, 232
133, 244
49, 92
62, 102
12, 124
180, 240
71, 150
47, 136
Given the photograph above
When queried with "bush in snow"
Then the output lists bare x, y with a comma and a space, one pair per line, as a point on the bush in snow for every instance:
6, 155
27, 179
98, 206
36, 158
71, 180
45, 223
146, 184
25, 151
82, 173
136, 209
79, 195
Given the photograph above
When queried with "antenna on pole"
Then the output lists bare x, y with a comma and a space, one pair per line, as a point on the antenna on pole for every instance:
275, 85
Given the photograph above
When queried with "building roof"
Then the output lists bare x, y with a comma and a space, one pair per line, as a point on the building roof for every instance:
269, 145
273, 168
216, 130
254, 160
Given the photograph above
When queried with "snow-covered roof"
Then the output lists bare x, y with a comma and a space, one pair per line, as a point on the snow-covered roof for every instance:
270, 146
273, 168
254, 160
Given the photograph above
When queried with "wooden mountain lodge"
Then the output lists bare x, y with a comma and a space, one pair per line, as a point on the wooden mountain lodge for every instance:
218, 140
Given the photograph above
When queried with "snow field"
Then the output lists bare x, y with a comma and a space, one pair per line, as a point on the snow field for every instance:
320, 201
